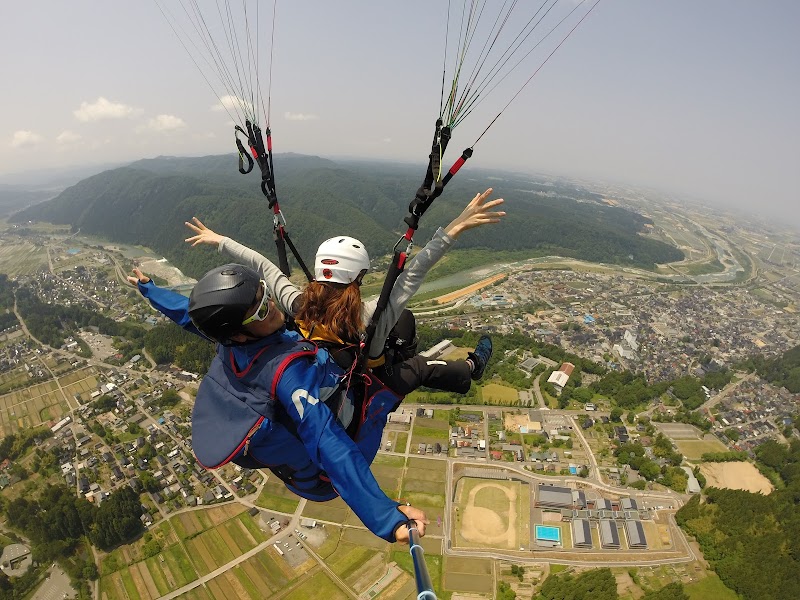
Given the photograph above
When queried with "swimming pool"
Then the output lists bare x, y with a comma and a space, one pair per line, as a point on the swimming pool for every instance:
548, 534
573, 470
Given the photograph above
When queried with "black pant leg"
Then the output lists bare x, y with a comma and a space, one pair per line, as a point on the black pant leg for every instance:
406, 376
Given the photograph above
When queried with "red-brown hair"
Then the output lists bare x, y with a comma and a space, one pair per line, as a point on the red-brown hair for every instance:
335, 307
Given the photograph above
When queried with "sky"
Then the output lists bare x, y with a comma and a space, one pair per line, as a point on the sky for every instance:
694, 97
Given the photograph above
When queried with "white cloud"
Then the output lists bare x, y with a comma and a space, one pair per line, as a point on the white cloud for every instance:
387, 140
290, 116
233, 103
24, 138
165, 123
102, 109
68, 137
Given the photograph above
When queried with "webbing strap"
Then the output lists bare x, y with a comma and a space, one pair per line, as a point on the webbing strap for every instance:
431, 188
262, 155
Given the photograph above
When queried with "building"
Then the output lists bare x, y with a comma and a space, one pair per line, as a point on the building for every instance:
581, 533
692, 485
602, 504
550, 496
635, 534
437, 350
609, 536
629, 504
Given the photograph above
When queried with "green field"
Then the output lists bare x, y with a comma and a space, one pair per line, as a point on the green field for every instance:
494, 393
276, 496
318, 586
710, 587
434, 562
694, 449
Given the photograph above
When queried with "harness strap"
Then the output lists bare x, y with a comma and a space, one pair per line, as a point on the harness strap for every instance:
262, 155
421, 202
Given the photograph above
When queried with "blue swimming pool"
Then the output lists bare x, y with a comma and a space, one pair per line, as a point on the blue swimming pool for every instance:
548, 534
573, 470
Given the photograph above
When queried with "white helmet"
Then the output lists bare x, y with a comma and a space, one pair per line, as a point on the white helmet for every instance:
340, 260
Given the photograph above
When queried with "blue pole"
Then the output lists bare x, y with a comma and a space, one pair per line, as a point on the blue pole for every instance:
424, 584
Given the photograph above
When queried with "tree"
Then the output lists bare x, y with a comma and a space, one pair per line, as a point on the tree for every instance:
671, 591
596, 584
616, 414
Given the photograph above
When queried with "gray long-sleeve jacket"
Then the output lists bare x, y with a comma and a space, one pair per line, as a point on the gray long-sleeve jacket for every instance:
284, 292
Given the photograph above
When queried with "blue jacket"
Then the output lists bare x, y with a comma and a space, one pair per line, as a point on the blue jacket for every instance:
299, 435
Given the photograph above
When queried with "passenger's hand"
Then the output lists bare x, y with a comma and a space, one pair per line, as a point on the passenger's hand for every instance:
401, 535
204, 234
478, 212
140, 277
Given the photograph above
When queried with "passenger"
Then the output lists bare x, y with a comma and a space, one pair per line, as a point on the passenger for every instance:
330, 310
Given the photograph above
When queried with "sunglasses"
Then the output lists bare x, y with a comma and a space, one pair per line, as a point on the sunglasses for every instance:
263, 309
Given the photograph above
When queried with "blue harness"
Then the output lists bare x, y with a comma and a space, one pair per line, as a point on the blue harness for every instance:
232, 405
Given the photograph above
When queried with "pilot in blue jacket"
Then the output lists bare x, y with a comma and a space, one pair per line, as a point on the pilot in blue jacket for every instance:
272, 400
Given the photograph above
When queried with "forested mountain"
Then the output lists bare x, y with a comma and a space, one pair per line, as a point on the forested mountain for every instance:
147, 202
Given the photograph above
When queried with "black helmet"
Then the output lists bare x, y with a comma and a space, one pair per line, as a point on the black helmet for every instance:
220, 300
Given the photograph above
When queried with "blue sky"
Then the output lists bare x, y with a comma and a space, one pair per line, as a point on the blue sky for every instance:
697, 97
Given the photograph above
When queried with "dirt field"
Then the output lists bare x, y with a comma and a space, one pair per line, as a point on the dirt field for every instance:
469, 289
513, 422
489, 513
735, 476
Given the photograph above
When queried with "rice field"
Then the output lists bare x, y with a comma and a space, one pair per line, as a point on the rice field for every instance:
31, 407
195, 543
22, 258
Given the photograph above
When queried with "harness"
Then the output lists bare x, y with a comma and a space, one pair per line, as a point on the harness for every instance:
233, 404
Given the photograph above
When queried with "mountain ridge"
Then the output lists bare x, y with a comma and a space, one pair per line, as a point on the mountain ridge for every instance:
148, 201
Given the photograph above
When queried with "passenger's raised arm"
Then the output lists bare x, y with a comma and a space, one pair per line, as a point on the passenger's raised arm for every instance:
284, 292
203, 235
475, 214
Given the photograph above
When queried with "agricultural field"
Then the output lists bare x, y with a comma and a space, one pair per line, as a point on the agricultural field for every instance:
275, 496
424, 487
80, 383
261, 576
468, 575
22, 258
191, 543
388, 471
434, 562
31, 407
333, 511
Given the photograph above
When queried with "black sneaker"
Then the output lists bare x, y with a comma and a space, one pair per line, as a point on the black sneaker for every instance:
480, 358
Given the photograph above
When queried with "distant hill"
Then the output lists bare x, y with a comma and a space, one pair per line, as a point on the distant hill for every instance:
14, 198
148, 201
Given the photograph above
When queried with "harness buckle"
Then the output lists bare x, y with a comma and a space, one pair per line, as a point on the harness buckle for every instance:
278, 220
